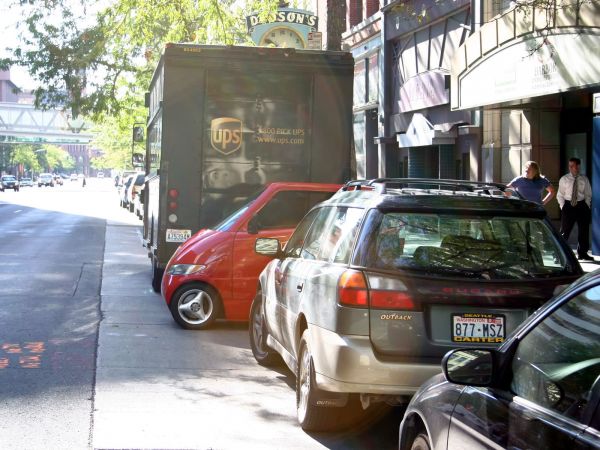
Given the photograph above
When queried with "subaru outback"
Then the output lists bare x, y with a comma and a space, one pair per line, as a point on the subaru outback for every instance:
376, 284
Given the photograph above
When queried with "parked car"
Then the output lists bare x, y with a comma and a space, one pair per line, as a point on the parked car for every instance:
133, 190
9, 182
379, 282
138, 204
214, 273
123, 190
540, 389
25, 182
45, 179
73, 177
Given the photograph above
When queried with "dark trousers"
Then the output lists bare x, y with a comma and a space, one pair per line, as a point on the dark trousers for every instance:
580, 215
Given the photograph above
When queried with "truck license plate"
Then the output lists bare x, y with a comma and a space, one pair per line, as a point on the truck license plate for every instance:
178, 235
478, 327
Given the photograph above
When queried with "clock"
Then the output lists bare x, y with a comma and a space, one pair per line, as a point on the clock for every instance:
282, 37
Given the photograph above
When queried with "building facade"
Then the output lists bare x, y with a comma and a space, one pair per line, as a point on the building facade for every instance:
533, 73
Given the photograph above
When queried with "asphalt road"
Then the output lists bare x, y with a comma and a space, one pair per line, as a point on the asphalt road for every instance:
91, 358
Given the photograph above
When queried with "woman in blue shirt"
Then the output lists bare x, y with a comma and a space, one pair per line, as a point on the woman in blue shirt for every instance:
531, 185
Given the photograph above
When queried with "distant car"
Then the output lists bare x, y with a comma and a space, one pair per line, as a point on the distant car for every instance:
25, 182
138, 204
9, 182
134, 190
73, 177
100, 175
58, 180
380, 281
123, 191
45, 179
215, 272
540, 389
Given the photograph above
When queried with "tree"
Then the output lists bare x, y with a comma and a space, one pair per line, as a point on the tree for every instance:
25, 155
89, 68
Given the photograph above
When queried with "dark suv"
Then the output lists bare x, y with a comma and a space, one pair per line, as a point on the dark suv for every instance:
9, 182
379, 282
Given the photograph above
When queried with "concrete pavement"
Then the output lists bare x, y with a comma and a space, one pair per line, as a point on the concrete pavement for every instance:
158, 386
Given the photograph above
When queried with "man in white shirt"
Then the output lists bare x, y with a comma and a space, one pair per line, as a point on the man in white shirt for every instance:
575, 199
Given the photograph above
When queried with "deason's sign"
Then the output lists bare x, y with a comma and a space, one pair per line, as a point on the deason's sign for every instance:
282, 16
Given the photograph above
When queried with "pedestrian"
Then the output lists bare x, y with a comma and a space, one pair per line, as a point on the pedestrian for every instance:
575, 201
83, 182
532, 184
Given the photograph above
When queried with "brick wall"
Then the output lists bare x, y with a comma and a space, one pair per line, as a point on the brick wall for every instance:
354, 12
370, 7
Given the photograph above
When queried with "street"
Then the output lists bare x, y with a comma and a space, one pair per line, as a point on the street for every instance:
91, 358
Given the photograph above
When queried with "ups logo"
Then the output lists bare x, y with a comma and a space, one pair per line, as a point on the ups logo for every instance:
226, 134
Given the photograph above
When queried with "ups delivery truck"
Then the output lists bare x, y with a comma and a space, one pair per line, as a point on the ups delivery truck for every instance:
225, 120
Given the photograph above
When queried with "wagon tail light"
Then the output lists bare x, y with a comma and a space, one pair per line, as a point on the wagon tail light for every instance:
353, 290
382, 294
389, 293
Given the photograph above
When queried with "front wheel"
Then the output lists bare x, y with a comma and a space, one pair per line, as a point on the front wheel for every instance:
264, 355
420, 442
195, 306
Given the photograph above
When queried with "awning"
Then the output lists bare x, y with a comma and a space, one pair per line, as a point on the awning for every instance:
421, 132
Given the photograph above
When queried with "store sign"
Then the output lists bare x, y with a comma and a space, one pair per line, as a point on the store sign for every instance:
424, 91
315, 40
528, 69
283, 16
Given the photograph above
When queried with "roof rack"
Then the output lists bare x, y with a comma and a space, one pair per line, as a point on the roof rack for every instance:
380, 185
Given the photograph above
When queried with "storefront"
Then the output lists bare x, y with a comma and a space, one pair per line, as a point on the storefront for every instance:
364, 41
429, 139
533, 75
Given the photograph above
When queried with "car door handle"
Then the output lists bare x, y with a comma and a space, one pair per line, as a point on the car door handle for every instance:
300, 287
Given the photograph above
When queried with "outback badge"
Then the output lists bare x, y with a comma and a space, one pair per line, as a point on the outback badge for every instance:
226, 134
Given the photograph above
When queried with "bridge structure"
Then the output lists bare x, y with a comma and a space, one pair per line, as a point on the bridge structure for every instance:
24, 124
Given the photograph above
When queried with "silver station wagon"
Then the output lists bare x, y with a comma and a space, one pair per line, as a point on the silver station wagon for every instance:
379, 282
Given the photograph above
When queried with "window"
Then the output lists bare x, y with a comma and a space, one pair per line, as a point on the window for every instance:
294, 245
488, 247
333, 234
287, 208
557, 364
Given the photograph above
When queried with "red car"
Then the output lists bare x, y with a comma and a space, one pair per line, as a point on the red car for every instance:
214, 274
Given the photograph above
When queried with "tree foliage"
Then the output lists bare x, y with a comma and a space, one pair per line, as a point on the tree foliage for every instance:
101, 67
91, 67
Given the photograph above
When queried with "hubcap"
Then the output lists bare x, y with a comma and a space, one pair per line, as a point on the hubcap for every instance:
304, 382
195, 306
257, 330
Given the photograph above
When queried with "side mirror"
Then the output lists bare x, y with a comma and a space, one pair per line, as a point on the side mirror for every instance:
138, 134
268, 247
137, 159
473, 367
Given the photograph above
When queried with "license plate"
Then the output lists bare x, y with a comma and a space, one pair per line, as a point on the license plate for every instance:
478, 327
178, 235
